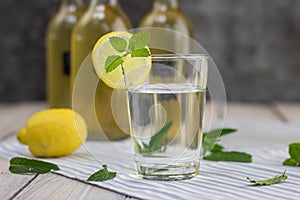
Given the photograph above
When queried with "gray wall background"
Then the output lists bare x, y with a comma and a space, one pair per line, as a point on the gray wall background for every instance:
255, 43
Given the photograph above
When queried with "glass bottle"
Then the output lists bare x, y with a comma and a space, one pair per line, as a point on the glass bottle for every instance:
118, 9
167, 14
102, 16
58, 44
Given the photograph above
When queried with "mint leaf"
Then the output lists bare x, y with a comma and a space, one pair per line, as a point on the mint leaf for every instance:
232, 156
208, 144
118, 43
220, 132
294, 151
30, 166
217, 148
271, 181
210, 139
139, 40
136, 48
112, 62
226, 131
290, 162
215, 151
155, 141
140, 53
102, 175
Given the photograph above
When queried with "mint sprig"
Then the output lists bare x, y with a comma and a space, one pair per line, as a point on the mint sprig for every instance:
271, 181
294, 151
136, 47
29, 166
155, 140
102, 175
216, 152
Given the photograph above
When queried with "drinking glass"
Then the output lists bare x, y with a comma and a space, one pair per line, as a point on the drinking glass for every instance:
166, 114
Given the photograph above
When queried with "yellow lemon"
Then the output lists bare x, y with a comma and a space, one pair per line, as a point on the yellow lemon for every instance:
136, 69
54, 132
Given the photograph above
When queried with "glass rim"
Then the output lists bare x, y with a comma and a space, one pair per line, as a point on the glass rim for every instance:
180, 56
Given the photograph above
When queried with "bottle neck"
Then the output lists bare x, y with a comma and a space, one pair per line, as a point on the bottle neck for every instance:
114, 2
71, 5
93, 2
163, 5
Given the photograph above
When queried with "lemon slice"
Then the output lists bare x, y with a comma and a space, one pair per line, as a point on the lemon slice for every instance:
136, 69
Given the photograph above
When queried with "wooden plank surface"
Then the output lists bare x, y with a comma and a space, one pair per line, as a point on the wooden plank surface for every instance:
14, 116
250, 112
10, 183
242, 111
290, 111
52, 186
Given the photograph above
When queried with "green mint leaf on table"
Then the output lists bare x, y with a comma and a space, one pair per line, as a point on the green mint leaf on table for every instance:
112, 62
294, 151
290, 162
139, 40
118, 43
217, 148
140, 53
220, 132
208, 144
232, 156
215, 151
30, 166
271, 181
102, 175
210, 139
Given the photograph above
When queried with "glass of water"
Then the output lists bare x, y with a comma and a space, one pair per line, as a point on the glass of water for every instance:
166, 117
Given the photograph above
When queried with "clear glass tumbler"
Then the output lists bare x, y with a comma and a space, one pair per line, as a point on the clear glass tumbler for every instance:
166, 116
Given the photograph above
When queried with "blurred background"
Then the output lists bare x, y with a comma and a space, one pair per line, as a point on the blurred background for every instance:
256, 45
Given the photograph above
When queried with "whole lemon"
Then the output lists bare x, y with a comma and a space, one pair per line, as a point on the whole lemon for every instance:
54, 132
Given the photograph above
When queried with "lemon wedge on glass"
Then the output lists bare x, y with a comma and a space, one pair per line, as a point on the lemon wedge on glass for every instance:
131, 72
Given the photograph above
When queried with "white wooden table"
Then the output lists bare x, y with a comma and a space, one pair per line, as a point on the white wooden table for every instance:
53, 186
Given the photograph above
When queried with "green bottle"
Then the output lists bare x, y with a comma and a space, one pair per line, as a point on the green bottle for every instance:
102, 17
58, 39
